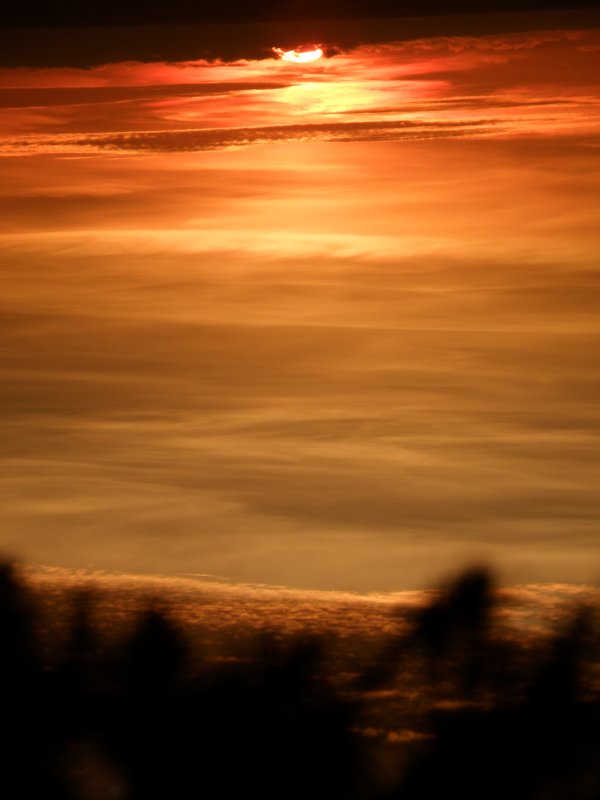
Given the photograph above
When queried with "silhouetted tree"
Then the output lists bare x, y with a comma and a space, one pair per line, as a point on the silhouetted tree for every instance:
143, 718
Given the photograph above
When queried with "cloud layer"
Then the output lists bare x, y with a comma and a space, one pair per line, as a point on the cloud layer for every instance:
542, 83
333, 329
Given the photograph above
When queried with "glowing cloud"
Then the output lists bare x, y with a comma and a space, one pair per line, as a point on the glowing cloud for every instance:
300, 55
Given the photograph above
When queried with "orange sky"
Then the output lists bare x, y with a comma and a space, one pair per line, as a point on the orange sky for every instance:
328, 326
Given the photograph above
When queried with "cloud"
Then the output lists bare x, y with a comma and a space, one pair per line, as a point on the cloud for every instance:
39, 97
444, 86
375, 448
307, 343
219, 607
194, 140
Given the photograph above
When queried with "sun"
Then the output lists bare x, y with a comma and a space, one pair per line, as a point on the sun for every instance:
301, 55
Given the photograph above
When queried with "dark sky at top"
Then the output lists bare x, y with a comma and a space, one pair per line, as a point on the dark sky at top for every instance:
42, 33
45, 13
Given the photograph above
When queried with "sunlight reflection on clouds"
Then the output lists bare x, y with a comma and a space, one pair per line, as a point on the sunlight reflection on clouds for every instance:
331, 327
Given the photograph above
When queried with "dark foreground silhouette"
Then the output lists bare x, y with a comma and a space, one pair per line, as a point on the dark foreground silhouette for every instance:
449, 707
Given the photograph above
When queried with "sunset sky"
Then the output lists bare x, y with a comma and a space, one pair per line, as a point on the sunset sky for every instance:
329, 326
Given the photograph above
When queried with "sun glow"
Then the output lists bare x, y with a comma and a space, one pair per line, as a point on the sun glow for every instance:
300, 55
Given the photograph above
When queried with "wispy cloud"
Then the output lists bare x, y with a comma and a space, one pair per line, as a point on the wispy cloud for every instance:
191, 141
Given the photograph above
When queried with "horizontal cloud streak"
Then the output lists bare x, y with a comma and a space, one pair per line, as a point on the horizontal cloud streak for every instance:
190, 141
220, 606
